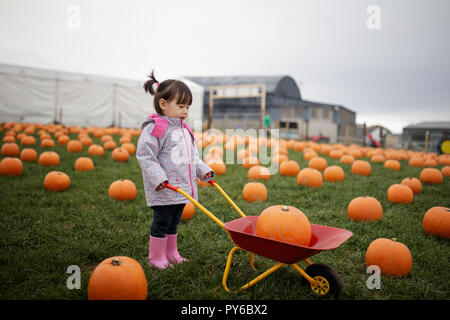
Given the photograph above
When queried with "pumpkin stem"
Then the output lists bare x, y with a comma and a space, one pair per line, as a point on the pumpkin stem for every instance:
115, 262
394, 239
285, 208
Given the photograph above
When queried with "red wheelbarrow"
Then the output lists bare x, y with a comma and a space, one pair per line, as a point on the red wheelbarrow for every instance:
323, 279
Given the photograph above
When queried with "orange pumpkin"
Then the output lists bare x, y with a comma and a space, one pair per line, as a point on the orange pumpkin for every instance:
63, 139
109, 145
10, 149
218, 151
378, 158
47, 143
28, 141
99, 132
318, 163
129, 147
355, 153
299, 146
188, 211
28, 155
279, 158
254, 191
212, 157
218, 166
95, 150
392, 257
347, 159
120, 154
280, 150
333, 174
74, 146
361, 167
416, 161
258, 172
414, 184
392, 164
310, 177
105, 138
399, 193
445, 171
364, 208
444, 159
86, 141
11, 167
44, 135
308, 155
8, 138
284, 223
289, 168
250, 161
123, 190
436, 222
118, 278
336, 154
125, 139
430, 163
56, 181
325, 149
49, 158
243, 153
84, 164
431, 175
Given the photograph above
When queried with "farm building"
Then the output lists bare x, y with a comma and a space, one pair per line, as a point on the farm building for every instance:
427, 135
41, 89
280, 97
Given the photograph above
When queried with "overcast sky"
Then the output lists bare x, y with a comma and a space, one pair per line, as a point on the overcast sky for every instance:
395, 75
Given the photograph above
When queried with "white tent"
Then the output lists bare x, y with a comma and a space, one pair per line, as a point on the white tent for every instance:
42, 89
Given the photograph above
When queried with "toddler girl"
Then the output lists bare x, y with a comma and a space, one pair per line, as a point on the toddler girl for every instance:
167, 153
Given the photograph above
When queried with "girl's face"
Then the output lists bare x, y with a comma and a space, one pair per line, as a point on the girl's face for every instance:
172, 109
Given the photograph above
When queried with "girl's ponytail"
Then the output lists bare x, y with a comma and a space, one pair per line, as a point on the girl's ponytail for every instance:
148, 85
168, 90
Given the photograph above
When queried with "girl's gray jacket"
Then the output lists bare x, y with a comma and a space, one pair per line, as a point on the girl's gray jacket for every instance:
167, 151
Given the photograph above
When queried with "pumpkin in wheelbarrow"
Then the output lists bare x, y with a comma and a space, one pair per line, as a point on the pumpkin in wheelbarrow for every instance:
284, 223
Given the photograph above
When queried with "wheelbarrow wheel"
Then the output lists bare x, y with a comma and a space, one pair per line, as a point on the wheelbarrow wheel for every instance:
329, 281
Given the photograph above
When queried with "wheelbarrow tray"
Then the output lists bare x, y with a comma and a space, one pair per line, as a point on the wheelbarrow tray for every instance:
243, 233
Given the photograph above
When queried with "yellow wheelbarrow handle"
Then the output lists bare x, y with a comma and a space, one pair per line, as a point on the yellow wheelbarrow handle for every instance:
214, 183
197, 204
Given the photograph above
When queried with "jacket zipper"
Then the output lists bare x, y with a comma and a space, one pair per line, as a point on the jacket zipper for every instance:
189, 158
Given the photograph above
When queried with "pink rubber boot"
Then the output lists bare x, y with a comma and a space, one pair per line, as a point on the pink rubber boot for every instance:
157, 252
172, 250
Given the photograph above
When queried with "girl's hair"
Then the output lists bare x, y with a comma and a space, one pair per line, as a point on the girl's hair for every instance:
168, 90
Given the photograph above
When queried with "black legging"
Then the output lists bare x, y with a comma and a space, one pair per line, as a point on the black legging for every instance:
166, 219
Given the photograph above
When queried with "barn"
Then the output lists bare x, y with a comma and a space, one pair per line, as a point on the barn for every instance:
281, 98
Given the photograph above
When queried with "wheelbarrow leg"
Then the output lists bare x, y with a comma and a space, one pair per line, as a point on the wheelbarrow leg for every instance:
304, 274
308, 262
262, 276
252, 261
227, 268
257, 279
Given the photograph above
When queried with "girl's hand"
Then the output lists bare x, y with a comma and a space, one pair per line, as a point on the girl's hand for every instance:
208, 175
160, 187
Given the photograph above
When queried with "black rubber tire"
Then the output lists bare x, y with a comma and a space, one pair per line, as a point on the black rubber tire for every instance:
333, 278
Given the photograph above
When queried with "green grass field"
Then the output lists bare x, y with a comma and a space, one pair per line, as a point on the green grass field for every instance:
45, 232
